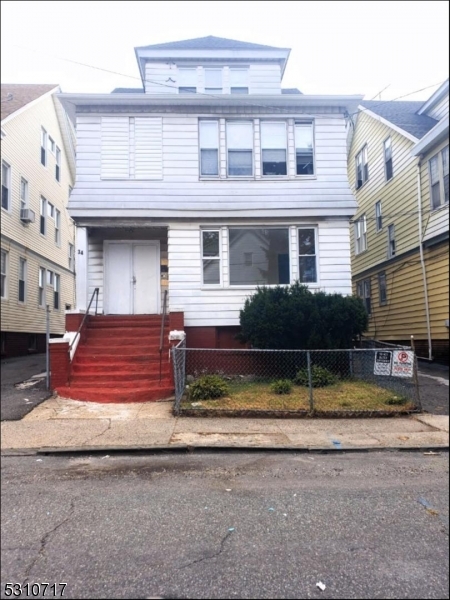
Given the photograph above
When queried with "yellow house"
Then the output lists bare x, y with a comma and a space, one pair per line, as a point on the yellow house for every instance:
37, 234
398, 165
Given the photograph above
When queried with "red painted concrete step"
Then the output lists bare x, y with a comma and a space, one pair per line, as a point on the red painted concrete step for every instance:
115, 396
115, 359
124, 378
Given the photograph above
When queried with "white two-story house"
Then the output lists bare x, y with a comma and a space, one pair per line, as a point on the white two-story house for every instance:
207, 182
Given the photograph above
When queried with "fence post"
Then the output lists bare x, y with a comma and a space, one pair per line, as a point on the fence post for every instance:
47, 345
415, 375
311, 395
351, 363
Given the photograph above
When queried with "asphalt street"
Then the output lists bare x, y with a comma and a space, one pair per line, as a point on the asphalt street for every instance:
16, 402
228, 525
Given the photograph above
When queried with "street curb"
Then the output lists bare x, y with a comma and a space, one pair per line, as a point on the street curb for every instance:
185, 448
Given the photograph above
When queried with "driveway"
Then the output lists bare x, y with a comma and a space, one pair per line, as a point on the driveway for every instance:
17, 402
434, 382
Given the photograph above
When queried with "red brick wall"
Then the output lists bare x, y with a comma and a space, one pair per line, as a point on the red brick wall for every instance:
73, 321
59, 365
176, 321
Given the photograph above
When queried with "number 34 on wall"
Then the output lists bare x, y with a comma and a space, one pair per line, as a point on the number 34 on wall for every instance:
80, 252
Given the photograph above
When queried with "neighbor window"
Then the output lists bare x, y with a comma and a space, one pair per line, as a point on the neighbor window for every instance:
22, 279
239, 81
6, 185
438, 168
4, 274
50, 277
382, 288
388, 169
51, 144
43, 216
71, 257
44, 142
307, 255
240, 148
209, 148
56, 291
361, 235
23, 194
57, 227
50, 210
274, 148
187, 81
58, 164
362, 167
378, 216
211, 257
213, 81
391, 241
364, 292
41, 289
269, 250
304, 148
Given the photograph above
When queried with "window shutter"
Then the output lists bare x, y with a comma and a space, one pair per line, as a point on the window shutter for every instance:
148, 148
115, 148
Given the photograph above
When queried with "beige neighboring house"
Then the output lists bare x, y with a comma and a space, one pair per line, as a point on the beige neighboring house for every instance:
37, 234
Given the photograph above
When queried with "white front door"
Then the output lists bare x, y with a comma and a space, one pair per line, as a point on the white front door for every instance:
131, 278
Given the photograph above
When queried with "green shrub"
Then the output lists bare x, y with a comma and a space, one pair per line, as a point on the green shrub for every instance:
208, 387
294, 318
320, 377
281, 386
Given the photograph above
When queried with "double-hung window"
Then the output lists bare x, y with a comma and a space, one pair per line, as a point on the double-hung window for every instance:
307, 255
187, 81
44, 144
439, 174
362, 167
378, 216
41, 288
382, 288
274, 148
239, 81
213, 81
4, 274
304, 148
209, 148
71, 257
365, 293
388, 167
57, 227
240, 148
50, 210
392, 249
360, 235
211, 257
6, 185
56, 291
43, 216
23, 194
58, 164
22, 279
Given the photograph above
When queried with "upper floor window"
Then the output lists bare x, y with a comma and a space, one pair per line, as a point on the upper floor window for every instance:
361, 235
71, 257
274, 148
56, 291
388, 169
23, 193
240, 148
187, 81
392, 248
239, 81
58, 164
364, 291
307, 255
211, 257
57, 227
50, 210
6, 186
44, 144
51, 144
41, 287
362, 167
382, 288
22, 279
304, 148
438, 168
43, 216
209, 148
4, 274
378, 216
213, 81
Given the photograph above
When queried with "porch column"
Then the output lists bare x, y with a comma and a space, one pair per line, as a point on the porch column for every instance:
81, 264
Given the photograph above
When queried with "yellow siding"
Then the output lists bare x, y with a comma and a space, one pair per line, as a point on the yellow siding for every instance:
436, 260
435, 221
398, 196
21, 150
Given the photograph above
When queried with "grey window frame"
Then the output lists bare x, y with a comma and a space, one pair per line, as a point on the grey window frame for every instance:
4, 275
440, 183
43, 216
57, 163
382, 277
22, 263
200, 148
378, 216
209, 258
364, 154
7, 187
298, 122
316, 254
360, 234
386, 160
44, 147
42, 274
274, 122
392, 241
252, 149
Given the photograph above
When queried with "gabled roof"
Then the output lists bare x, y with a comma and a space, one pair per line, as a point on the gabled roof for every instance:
17, 95
402, 114
209, 42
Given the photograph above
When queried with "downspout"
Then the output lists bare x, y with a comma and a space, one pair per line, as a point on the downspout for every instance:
422, 261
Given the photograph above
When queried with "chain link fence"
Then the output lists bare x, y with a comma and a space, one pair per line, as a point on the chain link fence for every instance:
308, 382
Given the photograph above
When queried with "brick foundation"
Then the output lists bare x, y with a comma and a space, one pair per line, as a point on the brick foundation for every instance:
59, 365
73, 321
15, 343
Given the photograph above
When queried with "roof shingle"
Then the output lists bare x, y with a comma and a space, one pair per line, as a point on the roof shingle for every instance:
209, 42
403, 114
17, 95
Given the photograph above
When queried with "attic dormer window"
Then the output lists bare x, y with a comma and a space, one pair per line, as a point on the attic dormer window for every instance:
239, 81
187, 81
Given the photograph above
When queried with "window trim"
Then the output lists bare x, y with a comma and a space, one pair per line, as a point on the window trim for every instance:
8, 186
57, 164
56, 291
5, 275
390, 228
58, 227
227, 149
200, 148
363, 236
364, 179
382, 275
316, 254
313, 127
219, 258
385, 160
285, 122
243, 89
25, 269
43, 216
24, 202
440, 164
71, 256
42, 272
44, 147
361, 286
378, 216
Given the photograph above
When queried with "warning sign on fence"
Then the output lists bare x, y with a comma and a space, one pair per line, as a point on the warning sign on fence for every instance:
403, 363
383, 362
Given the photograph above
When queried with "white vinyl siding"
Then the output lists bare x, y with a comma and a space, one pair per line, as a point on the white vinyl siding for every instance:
148, 148
115, 147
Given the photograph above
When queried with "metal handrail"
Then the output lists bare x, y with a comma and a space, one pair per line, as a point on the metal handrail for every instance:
94, 293
161, 336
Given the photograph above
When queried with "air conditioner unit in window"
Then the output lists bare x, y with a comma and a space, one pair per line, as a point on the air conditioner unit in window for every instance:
27, 215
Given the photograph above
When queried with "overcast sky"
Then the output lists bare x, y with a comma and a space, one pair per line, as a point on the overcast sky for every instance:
337, 47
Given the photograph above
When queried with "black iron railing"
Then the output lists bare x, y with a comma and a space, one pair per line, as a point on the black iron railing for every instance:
94, 295
161, 336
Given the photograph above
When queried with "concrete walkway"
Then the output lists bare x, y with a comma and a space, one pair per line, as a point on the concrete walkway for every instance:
59, 424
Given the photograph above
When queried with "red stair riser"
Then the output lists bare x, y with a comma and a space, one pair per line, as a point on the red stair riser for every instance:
108, 378
114, 397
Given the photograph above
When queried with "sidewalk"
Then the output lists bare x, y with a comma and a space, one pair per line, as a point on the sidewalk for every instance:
59, 424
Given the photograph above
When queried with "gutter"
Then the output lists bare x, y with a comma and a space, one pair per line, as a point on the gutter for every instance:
422, 261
